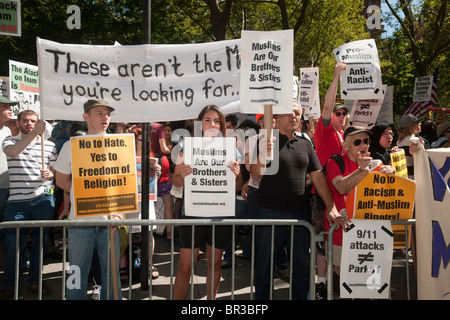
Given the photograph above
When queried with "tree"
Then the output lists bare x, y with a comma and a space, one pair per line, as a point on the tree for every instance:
419, 44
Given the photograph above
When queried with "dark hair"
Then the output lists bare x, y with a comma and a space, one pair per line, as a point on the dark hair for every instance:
213, 107
231, 118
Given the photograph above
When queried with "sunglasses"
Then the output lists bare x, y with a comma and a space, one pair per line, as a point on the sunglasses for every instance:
357, 142
338, 114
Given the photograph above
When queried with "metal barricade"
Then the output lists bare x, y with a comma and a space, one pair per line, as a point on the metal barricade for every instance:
329, 254
253, 223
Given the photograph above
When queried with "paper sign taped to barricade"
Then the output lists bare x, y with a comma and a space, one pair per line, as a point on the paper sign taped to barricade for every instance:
366, 263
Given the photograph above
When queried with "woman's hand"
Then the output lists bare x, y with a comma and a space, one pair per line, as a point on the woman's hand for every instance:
234, 167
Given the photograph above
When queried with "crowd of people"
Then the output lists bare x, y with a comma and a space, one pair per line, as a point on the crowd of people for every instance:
36, 184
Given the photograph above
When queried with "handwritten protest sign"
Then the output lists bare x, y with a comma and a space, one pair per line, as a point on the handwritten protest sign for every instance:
383, 197
362, 79
104, 182
266, 71
398, 161
142, 82
24, 86
366, 264
422, 88
210, 190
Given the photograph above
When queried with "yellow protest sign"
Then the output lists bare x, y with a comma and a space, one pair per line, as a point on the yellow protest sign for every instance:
104, 174
398, 161
383, 197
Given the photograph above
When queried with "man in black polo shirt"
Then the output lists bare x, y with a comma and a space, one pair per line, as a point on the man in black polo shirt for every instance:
283, 195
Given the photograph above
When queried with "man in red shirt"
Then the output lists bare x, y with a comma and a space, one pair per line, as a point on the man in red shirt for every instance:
357, 162
328, 140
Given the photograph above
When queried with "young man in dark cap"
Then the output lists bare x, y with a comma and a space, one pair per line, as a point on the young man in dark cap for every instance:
97, 114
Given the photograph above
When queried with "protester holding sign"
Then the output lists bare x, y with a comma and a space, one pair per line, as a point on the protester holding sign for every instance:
357, 163
97, 114
213, 124
283, 195
30, 162
328, 140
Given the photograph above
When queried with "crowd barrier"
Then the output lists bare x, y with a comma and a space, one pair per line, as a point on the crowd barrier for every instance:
148, 225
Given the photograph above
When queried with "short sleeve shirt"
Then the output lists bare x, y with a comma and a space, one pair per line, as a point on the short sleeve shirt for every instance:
286, 190
328, 141
333, 171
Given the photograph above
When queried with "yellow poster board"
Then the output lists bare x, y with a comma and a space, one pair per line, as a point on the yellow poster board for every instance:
398, 161
383, 197
104, 174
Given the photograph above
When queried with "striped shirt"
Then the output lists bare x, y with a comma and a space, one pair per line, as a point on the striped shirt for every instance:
25, 182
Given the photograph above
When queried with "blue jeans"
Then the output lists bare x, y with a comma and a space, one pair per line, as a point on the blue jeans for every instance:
4, 193
40, 208
82, 241
301, 259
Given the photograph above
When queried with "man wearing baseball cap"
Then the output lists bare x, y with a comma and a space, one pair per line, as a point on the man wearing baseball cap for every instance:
97, 114
356, 161
328, 140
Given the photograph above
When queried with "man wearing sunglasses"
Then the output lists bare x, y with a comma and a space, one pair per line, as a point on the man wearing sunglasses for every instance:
357, 163
328, 140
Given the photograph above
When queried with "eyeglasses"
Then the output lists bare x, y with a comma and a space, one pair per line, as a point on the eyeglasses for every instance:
338, 114
357, 142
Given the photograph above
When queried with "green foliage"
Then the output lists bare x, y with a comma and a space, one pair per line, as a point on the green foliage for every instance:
319, 26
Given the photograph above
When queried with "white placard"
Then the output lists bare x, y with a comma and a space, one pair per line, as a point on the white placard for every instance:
24, 87
387, 112
266, 71
366, 262
362, 79
210, 190
422, 88
309, 85
365, 112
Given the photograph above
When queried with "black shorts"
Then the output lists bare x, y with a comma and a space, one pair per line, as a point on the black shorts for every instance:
203, 235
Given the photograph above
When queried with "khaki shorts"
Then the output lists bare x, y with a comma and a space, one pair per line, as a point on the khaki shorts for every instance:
337, 253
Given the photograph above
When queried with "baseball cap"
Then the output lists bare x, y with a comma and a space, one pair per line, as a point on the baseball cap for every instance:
338, 106
10, 102
407, 121
96, 103
350, 131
